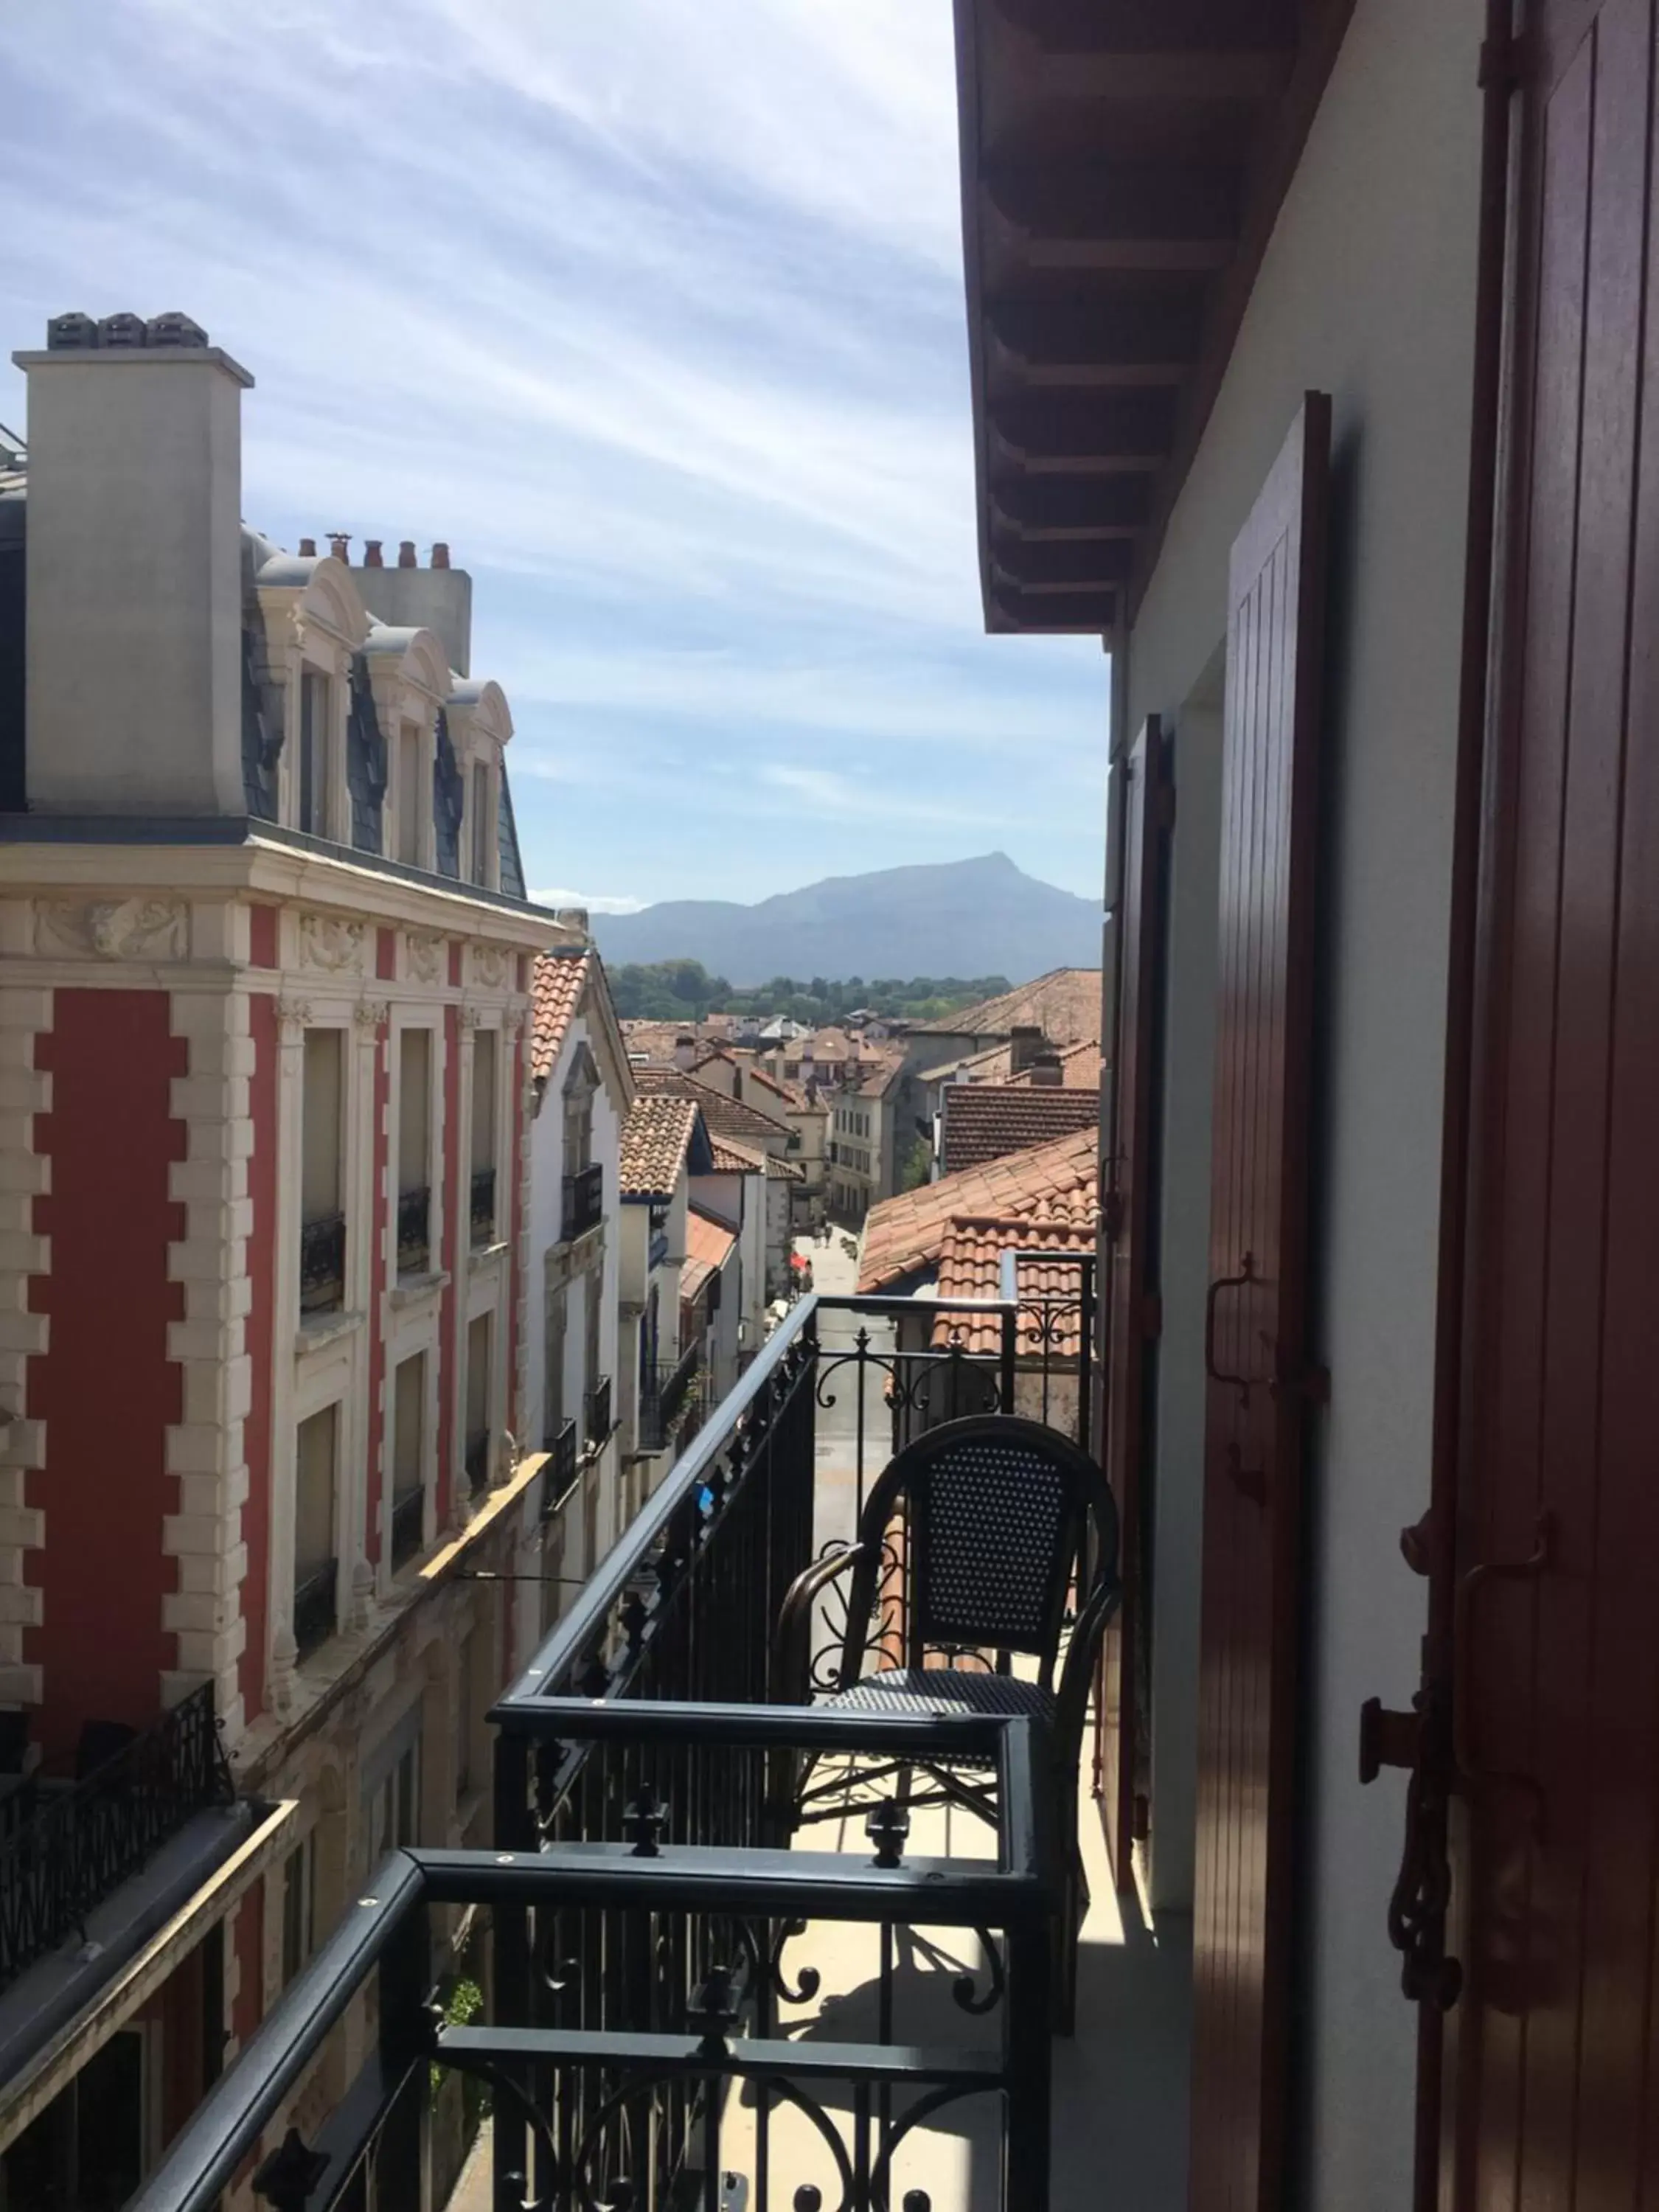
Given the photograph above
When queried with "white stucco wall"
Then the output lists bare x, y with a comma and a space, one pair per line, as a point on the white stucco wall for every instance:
1366, 291
546, 1224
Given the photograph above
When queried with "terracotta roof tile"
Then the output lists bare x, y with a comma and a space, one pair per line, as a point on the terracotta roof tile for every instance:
655, 1140
733, 1159
983, 1122
1054, 1185
557, 986
1064, 1005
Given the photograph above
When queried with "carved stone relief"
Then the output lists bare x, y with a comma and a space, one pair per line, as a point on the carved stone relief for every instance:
426, 956
333, 943
114, 929
490, 966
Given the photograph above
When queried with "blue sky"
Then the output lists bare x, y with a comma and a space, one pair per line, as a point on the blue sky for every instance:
653, 310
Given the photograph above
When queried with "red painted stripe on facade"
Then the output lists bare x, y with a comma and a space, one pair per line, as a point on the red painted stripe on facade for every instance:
386, 954
106, 1388
454, 967
449, 1379
260, 1341
377, 1291
262, 937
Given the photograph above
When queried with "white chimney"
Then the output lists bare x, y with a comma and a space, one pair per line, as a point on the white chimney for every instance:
134, 533
685, 1053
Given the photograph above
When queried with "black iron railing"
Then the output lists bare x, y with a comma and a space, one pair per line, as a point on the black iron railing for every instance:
666, 1398
483, 1207
315, 1606
408, 1525
595, 1413
652, 1963
564, 1456
79, 1843
477, 1462
414, 1232
584, 1201
322, 1263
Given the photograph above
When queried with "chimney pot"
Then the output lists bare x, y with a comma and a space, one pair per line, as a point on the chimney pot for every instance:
440, 555
406, 553
308, 549
372, 553
339, 544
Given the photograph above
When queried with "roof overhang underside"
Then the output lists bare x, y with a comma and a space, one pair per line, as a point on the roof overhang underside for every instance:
1122, 165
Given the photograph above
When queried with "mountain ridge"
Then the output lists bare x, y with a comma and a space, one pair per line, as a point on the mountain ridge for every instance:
981, 916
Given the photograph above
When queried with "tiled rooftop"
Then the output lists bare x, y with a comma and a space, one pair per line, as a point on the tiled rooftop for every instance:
984, 1121
1064, 1005
1054, 1186
1079, 1066
970, 1267
556, 987
706, 1245
730, 1116
655, 1140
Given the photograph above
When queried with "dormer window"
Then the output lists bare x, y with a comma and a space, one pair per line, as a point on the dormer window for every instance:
414, 798
315, 719
481, 845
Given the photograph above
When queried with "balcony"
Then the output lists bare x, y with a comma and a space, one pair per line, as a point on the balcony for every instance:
596, 1415
667, 1400
692, 1999
477, 1463
483, 1207
315, 1606
415, 1232
322, 1263
584, 1201
69, 1845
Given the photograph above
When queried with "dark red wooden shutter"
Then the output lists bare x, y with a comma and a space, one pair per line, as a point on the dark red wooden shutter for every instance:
1146, 797
1256, 1352
1556, 2038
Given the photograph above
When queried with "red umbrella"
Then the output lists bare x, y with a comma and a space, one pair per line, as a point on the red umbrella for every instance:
798, 1260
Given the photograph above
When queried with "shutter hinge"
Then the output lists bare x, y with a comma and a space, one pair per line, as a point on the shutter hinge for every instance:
1503, 62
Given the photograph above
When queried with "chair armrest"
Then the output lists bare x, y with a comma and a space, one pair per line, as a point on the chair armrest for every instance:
1072, 1701
792, 1640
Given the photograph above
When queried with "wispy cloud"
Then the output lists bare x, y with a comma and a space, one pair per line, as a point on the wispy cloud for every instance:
594, 902
654, 313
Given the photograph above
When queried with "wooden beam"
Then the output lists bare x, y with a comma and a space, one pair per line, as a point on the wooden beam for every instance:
1128, 339
1109, 430
1098, 564
1102, 215
1087, 613
1153, 26
1058, 508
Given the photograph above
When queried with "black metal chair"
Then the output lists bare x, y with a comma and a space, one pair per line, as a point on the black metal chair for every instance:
969, 1544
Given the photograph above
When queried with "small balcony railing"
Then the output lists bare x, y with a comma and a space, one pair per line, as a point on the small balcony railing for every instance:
652, 1934
316, 1607
667, 1400
415, 1232
565, 1457
584, 1201
322, 1263
596, 1414
67, 1849
483, 1207
408, 1525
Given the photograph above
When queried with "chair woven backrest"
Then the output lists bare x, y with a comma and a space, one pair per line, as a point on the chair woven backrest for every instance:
996, 1510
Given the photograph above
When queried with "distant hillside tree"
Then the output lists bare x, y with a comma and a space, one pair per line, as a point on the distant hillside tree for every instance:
683, 990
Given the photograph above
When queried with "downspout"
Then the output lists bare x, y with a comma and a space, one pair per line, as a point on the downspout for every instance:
1432, 1546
